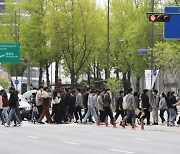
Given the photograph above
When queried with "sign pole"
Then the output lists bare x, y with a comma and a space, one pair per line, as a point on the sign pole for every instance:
15, 32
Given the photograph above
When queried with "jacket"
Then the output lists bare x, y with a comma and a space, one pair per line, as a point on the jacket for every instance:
100, 103
107, 101
162, 104
145, 101
79, 100
130, 102
13, 100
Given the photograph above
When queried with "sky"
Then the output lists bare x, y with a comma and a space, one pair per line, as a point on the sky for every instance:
101, 2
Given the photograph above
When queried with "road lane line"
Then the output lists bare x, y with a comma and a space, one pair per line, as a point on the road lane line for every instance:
98, 133
122, 151
35, 137
142, 139
73, 143
4, 132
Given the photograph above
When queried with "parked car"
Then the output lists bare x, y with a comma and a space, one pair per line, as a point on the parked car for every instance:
24, 107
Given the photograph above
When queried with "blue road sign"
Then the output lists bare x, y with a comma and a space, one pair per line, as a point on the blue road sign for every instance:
172, 28
142, 52
16, 82
154, 72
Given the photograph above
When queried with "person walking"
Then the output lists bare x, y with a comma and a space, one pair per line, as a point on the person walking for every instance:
1, 109
107, 106
79, 104
119, 105
91, 107
13, 100
5, 105
131, 107
162, 107
46, 103
155, 107
39, 101
145, 106
100, 104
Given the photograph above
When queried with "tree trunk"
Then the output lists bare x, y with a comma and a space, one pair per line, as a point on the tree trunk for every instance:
72, 79
98, 72
89, 78
47, 75
94, 70
40, 76
129, 79
138, 84
124, 83
56, 74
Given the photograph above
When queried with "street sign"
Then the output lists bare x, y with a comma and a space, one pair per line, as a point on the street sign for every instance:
16, 82
9, 53
142, 52
172, 28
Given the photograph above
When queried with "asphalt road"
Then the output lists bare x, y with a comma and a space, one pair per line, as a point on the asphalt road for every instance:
87, 139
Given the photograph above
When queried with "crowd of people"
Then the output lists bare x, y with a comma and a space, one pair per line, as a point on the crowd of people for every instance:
66, 106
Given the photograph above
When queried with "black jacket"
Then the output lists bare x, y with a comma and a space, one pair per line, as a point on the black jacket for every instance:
13, 100
145, 101
85, 100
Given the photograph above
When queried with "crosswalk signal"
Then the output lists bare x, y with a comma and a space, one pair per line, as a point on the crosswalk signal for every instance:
159, 17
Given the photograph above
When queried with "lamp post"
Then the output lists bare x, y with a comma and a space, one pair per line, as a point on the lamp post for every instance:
152, 51
108, 46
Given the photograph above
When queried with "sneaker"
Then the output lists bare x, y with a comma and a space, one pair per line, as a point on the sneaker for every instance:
6, 125
14, 125
18, 125
41, 122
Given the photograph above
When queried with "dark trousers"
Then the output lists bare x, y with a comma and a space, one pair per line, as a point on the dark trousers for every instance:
162, 115
2, 117
40, 110
108, 111
101, 115
79, 113
56, 115
119, 112
146, 115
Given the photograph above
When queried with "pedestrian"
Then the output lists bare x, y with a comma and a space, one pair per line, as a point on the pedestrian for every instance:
107, 105
1, 109
145, 106
34, 109
91, 107
72, 106
39, 101
55, 102
13, 101
162, 107
172, 109
100, 104
46, 104
119, 105
131, 107
5, 105
85, 103
155, 107
79, 104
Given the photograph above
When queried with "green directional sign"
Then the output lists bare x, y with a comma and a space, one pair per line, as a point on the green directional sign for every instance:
9, 53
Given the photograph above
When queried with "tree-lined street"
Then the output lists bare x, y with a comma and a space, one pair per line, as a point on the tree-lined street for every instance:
77, 138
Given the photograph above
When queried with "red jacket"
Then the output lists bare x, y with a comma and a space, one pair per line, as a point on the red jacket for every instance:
5, 102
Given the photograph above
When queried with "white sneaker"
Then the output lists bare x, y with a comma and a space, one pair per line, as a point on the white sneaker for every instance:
6, 125
18, 125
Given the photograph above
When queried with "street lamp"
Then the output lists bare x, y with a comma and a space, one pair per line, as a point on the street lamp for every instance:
108, 46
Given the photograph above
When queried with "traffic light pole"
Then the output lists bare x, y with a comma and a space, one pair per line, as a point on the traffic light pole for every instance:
152, 51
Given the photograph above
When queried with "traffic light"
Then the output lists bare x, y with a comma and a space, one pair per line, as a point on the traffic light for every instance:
159, 17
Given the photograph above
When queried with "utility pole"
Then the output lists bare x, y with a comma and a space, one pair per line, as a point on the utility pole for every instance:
108, 46
16, 40
152, 51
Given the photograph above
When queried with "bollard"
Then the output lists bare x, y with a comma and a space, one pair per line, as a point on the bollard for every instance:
107, 121
142, 124
132, 123
99, 121
114, 123
123, 123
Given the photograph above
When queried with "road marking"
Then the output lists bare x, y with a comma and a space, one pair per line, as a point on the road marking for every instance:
142, 139
98, 133
35, 137
73, 143
4, 132
122, 151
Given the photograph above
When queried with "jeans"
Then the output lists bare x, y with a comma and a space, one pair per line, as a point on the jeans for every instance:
130, 113
172, 115
2, 116
91, 111
146, 115
5, 112
11, 114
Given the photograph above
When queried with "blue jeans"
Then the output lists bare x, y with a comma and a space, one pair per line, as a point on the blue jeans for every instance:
130, 113
11, 114
172, 115
91, 111
5, 112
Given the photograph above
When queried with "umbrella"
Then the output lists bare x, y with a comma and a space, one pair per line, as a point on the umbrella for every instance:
28, 93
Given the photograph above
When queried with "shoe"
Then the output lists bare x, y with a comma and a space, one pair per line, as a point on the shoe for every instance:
41, 122
155, 123
18, 125
6, 125
15, 125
